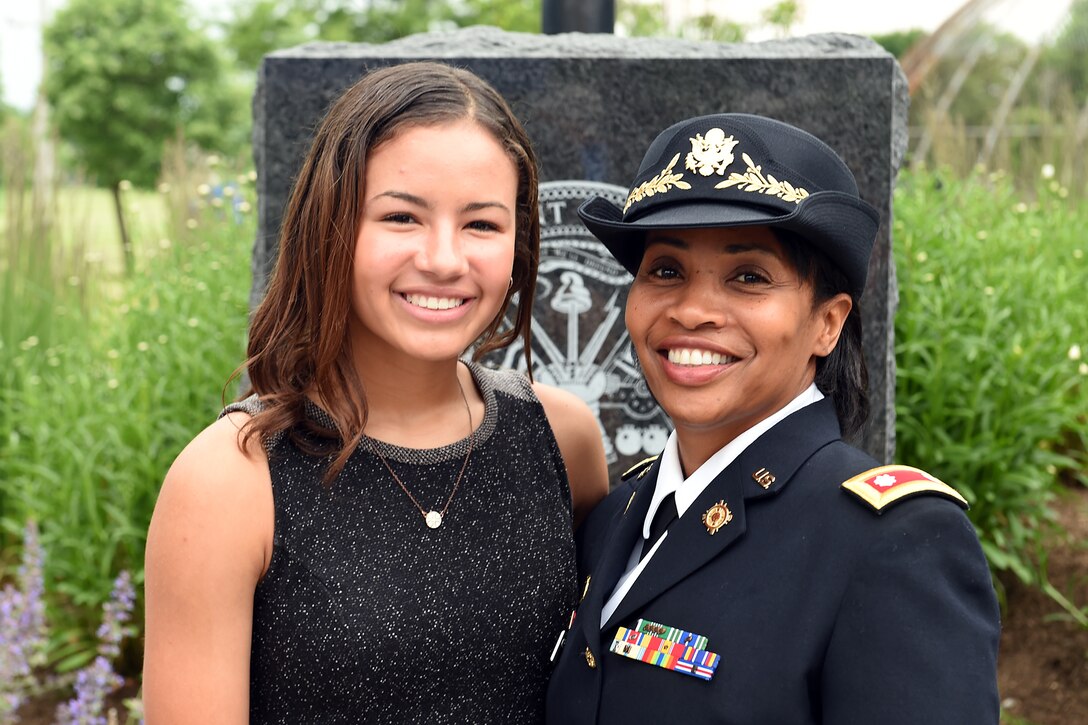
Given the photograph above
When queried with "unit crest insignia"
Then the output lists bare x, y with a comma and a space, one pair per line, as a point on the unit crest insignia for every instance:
710, 154
716, 517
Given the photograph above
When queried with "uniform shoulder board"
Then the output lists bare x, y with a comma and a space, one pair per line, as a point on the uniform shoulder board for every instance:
881, 487
640, 469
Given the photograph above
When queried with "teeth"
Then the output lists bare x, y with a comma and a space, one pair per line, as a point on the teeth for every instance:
688, 356
434, 303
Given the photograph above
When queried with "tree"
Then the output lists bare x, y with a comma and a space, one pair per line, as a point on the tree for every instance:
259, 27
783, 16
121, 77
900, 41
1067, 57
650, 19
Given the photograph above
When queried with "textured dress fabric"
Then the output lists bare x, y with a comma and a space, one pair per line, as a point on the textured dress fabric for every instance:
367, 615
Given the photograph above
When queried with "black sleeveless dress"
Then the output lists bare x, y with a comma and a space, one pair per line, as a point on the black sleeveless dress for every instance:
367, 615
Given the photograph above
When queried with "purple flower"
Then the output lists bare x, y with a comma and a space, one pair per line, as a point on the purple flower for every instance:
115, 613
22, 626
97, 680
93, 683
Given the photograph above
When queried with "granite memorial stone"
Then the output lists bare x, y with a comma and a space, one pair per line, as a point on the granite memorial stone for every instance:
591, 104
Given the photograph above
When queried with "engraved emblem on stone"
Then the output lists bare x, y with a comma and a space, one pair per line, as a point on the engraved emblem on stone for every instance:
710, 154
579, 340
716, 517
434, 519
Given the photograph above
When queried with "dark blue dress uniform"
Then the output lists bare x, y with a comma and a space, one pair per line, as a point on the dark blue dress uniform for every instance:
823, 608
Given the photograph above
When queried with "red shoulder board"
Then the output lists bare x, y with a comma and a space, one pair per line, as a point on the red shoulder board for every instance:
883, 486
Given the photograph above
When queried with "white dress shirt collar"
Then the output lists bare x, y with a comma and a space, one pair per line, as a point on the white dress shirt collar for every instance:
670, 476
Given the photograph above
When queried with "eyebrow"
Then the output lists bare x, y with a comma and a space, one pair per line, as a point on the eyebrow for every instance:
735, 248
421, 202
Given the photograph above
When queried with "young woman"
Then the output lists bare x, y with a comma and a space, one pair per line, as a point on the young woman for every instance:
381, 532
762, 571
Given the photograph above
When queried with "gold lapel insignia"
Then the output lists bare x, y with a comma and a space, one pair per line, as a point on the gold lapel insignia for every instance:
710, 154
764, 478
585, 591
716, 517
629, 502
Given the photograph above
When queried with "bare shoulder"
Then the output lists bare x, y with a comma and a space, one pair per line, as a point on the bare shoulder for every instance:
209, 543
220, 489
579, 437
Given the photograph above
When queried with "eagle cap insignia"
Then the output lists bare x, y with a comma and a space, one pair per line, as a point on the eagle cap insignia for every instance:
710, 154
716, 517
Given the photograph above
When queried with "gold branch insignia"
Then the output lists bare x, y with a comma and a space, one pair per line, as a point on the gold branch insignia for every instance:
754, 180
657, 185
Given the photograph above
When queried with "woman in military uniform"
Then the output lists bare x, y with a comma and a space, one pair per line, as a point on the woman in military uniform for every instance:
761, 570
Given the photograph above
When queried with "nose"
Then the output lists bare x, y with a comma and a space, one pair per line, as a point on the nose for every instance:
443, 253
698, 303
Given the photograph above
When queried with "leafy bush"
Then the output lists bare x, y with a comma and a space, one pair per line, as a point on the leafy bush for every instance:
989, 338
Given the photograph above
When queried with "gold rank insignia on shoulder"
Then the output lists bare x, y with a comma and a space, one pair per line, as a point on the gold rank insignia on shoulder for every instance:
640, 469
883, 486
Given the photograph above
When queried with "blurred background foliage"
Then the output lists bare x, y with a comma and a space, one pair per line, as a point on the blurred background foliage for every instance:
113, 356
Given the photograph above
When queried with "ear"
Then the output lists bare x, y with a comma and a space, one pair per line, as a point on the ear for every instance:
829, 317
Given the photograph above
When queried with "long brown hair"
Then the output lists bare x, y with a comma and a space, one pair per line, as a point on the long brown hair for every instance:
298, 338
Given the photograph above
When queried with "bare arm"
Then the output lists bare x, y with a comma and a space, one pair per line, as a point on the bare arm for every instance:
209, 542
579, 437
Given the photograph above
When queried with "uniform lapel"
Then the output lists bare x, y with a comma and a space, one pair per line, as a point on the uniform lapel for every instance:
689, 545
626, 529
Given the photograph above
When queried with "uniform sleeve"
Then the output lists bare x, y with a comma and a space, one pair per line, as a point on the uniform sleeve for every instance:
916, 636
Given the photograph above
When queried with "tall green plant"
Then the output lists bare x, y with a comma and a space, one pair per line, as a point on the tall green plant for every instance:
102, 413
990, 340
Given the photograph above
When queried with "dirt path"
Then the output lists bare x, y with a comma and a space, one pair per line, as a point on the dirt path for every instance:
1043, 666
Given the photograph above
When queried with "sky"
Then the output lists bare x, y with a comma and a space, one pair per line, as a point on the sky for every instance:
21, 20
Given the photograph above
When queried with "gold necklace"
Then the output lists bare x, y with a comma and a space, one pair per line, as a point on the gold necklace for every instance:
432, 517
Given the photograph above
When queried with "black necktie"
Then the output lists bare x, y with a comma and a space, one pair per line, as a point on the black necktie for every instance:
665, 515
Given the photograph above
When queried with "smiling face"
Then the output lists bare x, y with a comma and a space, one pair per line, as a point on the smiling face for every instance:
435, 247
726, 331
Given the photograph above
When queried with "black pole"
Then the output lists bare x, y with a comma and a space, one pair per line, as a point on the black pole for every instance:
579, 16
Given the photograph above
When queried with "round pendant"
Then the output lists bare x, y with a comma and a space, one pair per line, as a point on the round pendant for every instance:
433, 519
